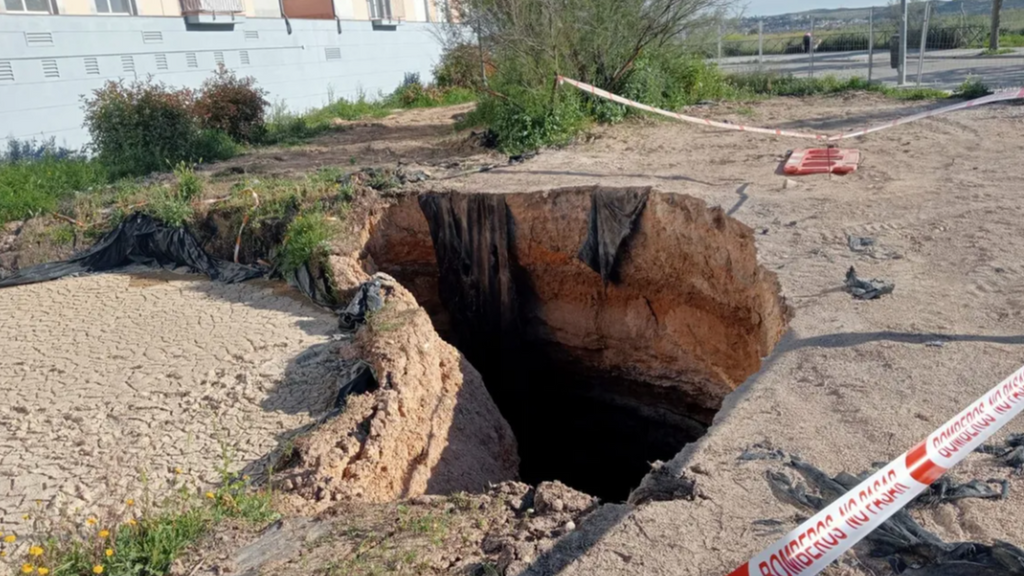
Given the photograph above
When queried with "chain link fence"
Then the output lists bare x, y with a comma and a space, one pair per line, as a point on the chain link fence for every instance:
939, 54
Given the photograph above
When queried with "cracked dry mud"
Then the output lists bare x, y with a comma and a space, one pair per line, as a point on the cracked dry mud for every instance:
103, 378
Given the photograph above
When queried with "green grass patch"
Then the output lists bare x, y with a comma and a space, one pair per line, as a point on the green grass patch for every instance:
998, 52
32, 187
760, 84
289, 128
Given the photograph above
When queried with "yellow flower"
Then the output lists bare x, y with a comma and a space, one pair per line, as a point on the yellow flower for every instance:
109, 552
10, 538
91, 521
42, 571
35, 551
210, 495
3, 553
130, 502
97, 569
25, 517
104, 533
132, 522
27, 568
177, 470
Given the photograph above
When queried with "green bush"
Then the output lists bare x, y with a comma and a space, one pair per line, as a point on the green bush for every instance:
232, 105
141, 127
214, 145
460, 68
305, 241
189, 185
528, 119
970, 89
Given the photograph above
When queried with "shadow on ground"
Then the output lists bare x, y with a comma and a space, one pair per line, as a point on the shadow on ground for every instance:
595, 527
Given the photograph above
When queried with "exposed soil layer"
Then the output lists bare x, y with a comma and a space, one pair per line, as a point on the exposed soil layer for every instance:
430, 428
596, 381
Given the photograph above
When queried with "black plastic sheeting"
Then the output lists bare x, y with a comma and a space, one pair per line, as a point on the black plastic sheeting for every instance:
908, 548
471, 236
139, 239
367, 299
613, 216
1011, 453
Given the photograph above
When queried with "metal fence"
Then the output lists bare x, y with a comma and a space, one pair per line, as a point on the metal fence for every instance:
939, 55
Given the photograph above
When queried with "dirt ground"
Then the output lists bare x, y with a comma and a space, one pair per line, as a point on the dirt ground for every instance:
129, 386
852, 383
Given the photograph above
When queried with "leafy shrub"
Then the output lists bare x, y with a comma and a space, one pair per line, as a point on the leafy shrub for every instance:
460, 68
141, 127
970, 89
213, 145
232, 105
169, 207
189, 185
527, 119
305, 241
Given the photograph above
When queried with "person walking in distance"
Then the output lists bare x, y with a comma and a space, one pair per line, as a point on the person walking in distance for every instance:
807, 43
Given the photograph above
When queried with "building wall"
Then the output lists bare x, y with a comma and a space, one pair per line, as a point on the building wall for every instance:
47, 63
409, 10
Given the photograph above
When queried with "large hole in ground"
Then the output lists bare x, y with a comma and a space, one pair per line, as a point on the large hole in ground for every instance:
596, 379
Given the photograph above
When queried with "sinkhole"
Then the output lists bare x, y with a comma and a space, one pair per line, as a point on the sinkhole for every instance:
608, 323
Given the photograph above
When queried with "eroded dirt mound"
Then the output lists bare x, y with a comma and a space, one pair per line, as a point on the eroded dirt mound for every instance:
431, 427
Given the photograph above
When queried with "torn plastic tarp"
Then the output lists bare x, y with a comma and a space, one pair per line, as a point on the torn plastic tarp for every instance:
906, 546
613, 214
1012, 452
368, 298
471, 236
139, 239
867, 289
315, 283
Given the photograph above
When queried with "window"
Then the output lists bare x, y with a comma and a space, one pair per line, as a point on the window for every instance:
113, 6
38, 6
380, 9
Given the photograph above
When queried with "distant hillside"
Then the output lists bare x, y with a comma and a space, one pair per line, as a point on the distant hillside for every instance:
836, 18
970, 7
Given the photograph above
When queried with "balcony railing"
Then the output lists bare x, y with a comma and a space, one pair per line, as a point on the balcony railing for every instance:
212, 6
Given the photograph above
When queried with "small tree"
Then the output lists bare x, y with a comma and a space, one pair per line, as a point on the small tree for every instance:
597, 41
993, 42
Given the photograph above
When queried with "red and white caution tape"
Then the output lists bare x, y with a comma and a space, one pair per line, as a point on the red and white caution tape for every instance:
813, 545
595, 91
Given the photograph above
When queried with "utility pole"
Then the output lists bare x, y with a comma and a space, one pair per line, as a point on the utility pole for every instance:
993, 42
903, 43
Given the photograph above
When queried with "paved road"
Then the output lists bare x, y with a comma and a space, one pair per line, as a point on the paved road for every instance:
944, 69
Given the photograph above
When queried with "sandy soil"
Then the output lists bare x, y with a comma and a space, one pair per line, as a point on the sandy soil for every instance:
853, 382
116, 376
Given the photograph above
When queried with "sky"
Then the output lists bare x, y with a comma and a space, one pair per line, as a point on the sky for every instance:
771, 7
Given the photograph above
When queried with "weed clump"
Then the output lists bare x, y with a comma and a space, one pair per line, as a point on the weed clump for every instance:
137, 538
306, 241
